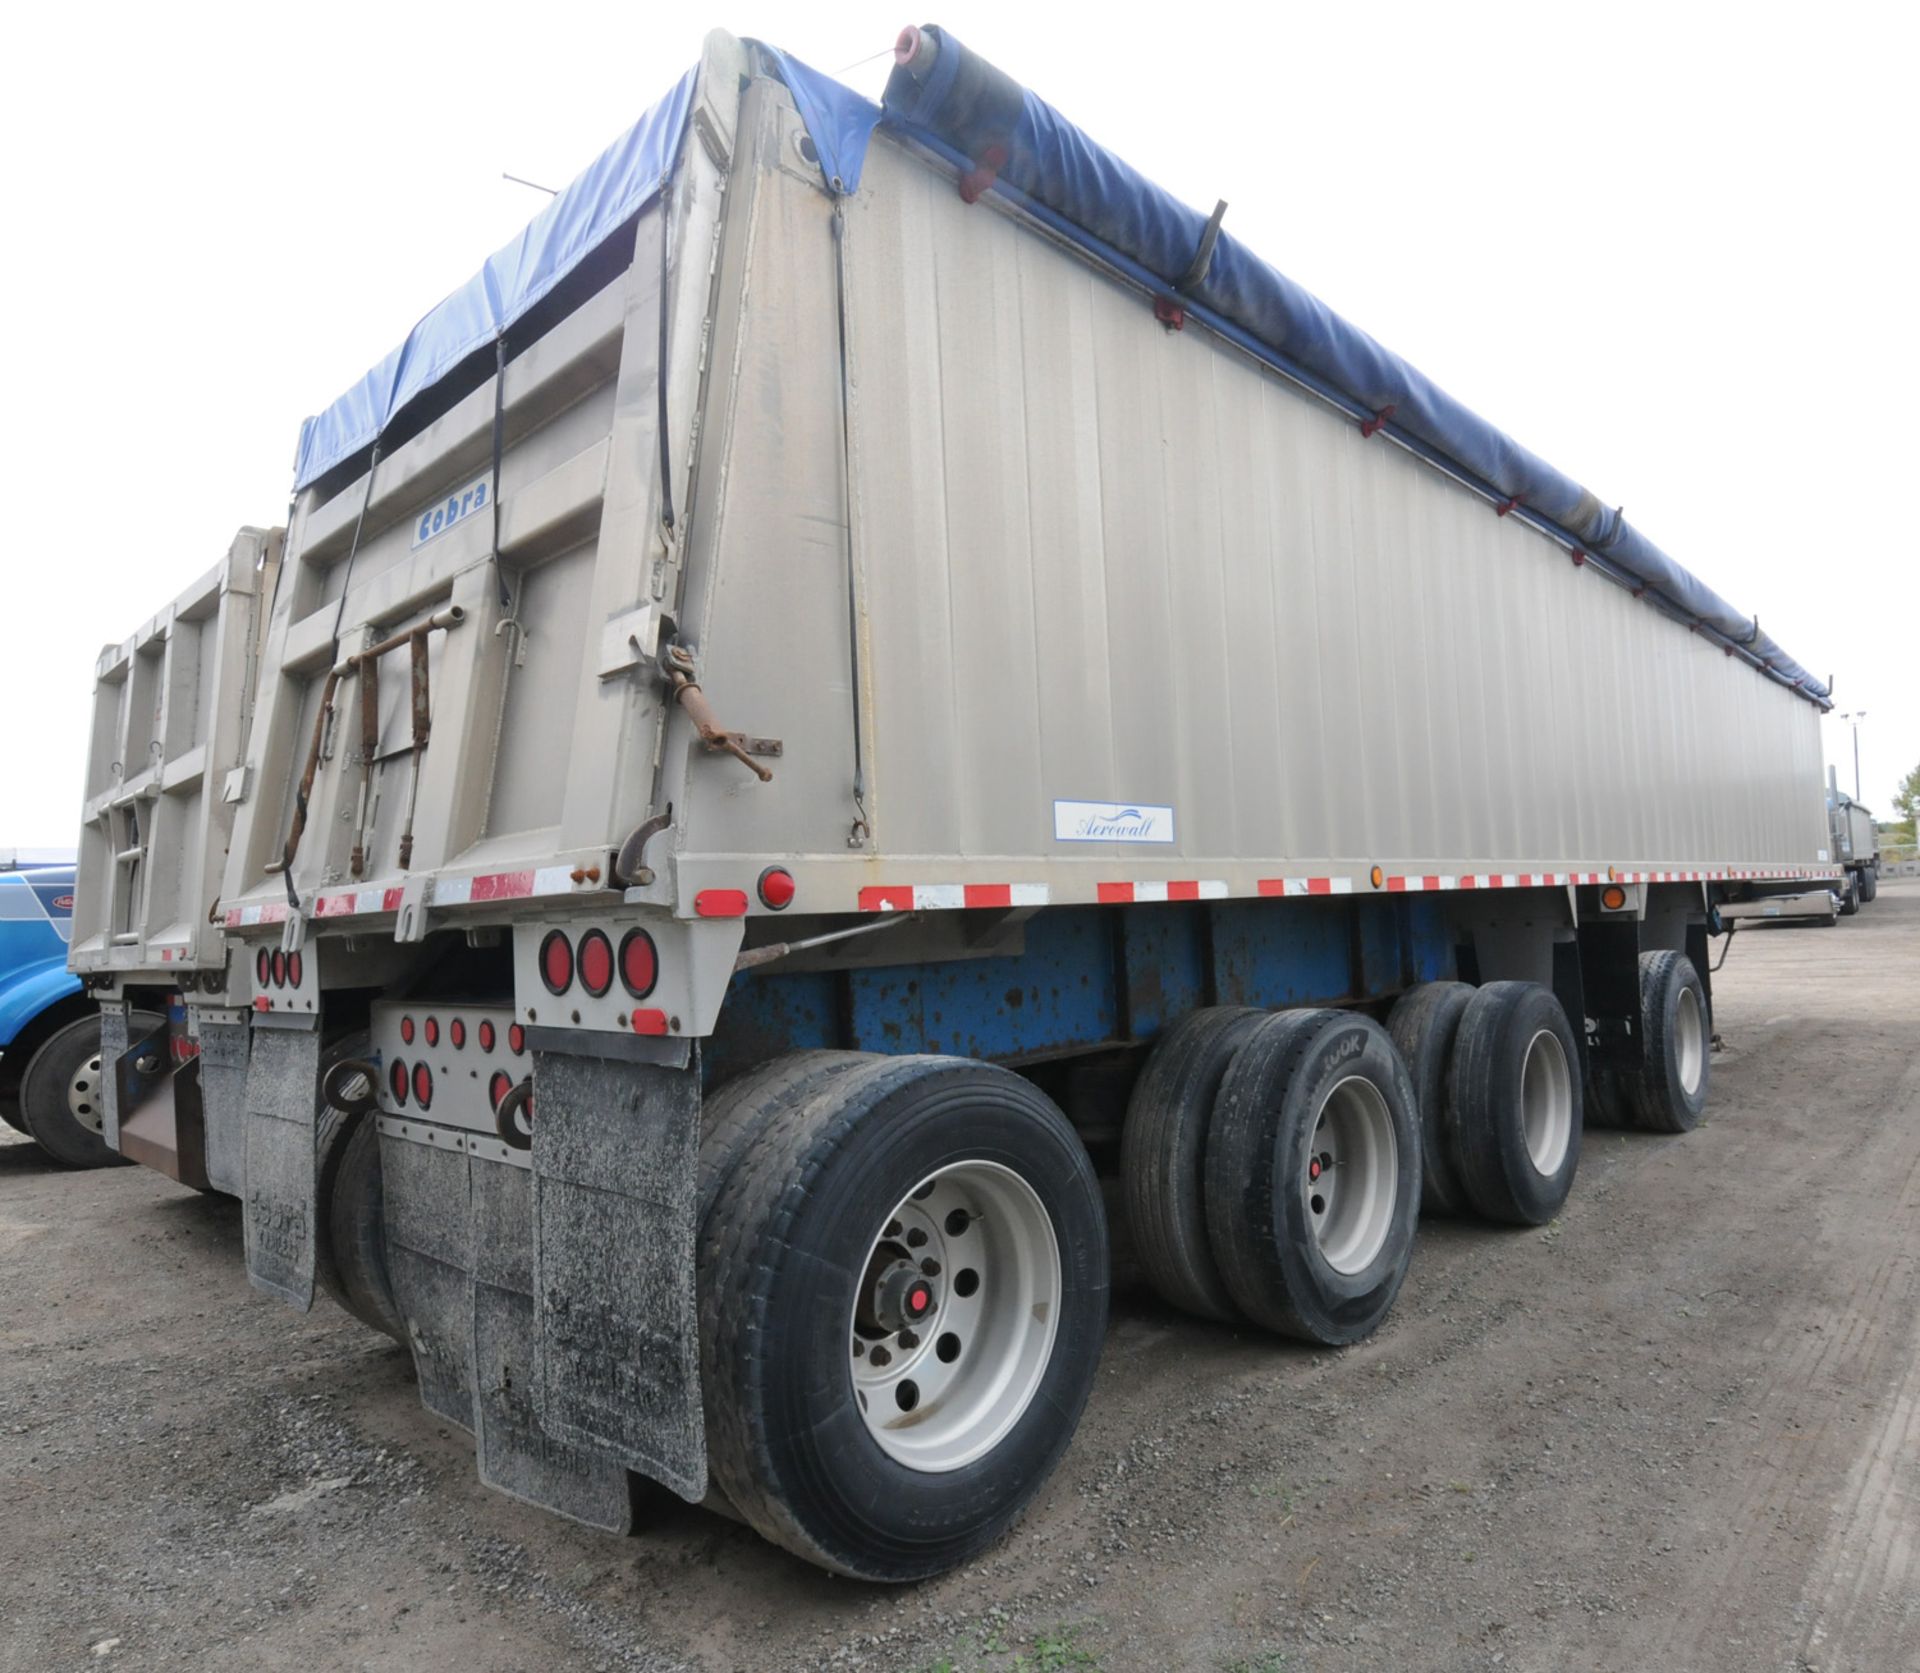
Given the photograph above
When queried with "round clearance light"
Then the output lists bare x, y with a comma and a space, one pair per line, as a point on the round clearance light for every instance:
295, 965
596, 963
423, 1086
263, 968
397, 1082
639, 963
517, 1040
556, 961
498, 1087
487, 1036
457, 1033
1613, 897
776, 888
433, 1031
279, 969
406, 1030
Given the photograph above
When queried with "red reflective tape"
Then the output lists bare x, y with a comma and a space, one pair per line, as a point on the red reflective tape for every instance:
649, 1022
1115, 893
1272, 885
1396, 885
989, 894
1183, 891
1319, 885
390, 900
508, 885
721, 903
897, 897
1468, 883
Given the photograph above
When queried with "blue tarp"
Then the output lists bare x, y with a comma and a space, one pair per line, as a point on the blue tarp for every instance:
1110, 209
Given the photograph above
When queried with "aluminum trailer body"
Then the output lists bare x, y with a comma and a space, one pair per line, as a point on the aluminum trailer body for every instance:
868, 621
165, 772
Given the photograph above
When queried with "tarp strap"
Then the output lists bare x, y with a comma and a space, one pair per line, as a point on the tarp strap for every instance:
861, 831
666, 453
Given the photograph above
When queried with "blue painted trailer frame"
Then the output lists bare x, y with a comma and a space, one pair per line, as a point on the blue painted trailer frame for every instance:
1093, 977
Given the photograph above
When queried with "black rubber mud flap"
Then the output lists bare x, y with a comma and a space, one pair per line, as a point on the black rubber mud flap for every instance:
223, 1103
113, 1046
615, 1179
515, 1454
282, 1177
429, 1258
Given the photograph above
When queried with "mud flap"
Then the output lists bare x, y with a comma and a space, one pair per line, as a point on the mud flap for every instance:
516, 1455
113, 1046
223, 1103
617, 1362
283, 1080
429, 1258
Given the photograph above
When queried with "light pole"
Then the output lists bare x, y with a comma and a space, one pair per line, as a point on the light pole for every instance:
1854, 718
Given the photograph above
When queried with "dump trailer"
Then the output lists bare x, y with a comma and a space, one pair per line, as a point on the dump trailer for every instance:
1856, 847
872, 673
166, 768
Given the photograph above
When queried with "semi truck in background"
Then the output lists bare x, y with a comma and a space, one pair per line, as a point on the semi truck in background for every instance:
1856, 846
872, 672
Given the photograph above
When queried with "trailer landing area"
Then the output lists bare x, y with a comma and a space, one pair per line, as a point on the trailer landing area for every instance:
1674, 1429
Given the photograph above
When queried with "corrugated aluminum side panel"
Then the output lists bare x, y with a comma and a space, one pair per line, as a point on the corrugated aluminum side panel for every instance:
170, 712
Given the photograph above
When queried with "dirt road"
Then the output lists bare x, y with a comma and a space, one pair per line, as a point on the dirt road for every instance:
1678, 1429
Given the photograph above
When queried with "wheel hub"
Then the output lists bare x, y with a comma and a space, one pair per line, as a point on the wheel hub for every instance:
954, 1318
83, 1096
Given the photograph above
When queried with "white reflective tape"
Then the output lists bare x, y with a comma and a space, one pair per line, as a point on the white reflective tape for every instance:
1213, 891
1149, 891
553, 880
1028, 894
452, 891
939, 897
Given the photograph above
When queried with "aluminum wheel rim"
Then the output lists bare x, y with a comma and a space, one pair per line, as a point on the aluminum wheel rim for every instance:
1546, 1101
1690, 1040
942, 1386
83, 1095
1351, 1175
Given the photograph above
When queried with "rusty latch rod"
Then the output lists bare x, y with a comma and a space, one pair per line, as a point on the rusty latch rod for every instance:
687, 693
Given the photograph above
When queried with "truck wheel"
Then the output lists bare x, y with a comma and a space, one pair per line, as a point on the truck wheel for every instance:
1422, 1025
1869, 885
735, 1114
61, 1093
1669, 1091
1514, 1103
1313, 1175
1849, 896
1163, 1157
350, 1243
903, 1290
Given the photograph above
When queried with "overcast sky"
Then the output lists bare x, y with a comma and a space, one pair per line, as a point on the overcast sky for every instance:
1670, 248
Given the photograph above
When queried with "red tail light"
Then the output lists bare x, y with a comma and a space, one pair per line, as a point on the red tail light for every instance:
406, 1030
776, 888
457, 1033
397, 1081
487, 1036
294, 966
279, 969
556, 961
433, 1031
263, 968
517, 1040
423, 1086
639, 963
596, 963
498, 1087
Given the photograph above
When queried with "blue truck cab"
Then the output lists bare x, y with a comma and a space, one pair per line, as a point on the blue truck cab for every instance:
49, 1029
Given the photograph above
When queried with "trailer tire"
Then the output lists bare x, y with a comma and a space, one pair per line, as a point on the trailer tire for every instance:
1311, 1095
1514, 1103
737, 1112
1669, 1090
1423, 1024
797, 1261
350, 1242
60, 1093
1849, 895
1163, 1157
1869, 885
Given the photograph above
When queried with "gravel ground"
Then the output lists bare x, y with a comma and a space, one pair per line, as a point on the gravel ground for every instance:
1679, 1428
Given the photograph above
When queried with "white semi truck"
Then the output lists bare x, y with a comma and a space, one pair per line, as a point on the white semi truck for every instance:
872, 669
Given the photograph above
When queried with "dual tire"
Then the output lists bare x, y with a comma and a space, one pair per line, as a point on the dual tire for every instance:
1271, 1169
62, 1094
902, 1282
